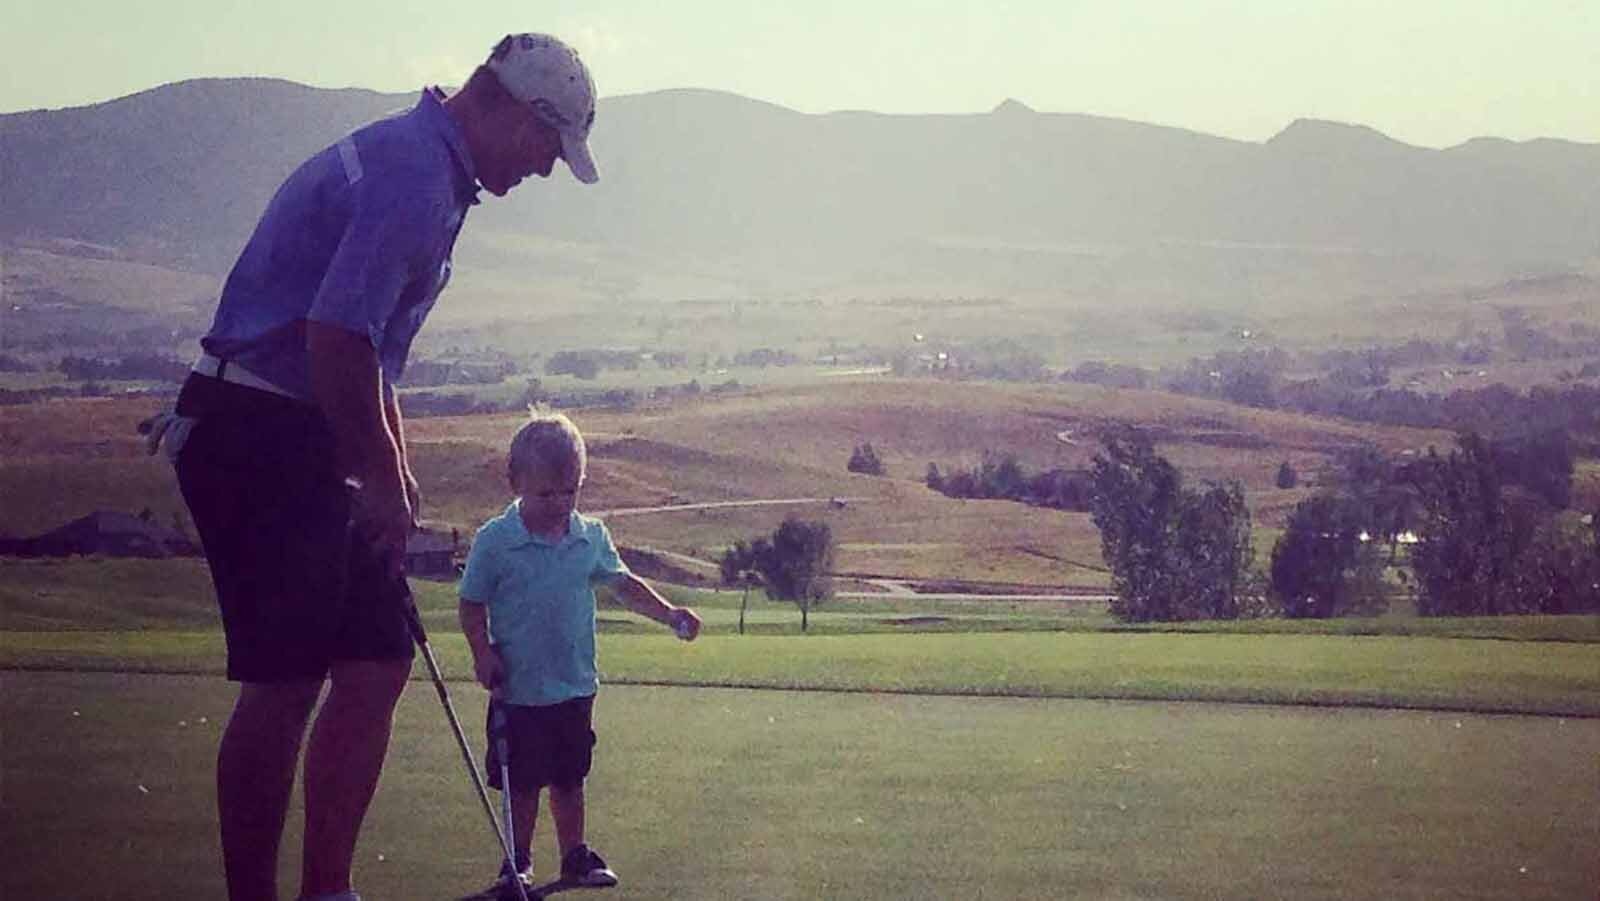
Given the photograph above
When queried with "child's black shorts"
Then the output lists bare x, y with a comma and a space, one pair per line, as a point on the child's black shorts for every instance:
298, 592
550, 745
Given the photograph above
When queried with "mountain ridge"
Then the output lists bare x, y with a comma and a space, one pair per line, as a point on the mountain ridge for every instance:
757, 197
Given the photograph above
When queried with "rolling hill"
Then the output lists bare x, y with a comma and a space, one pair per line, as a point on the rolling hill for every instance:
73, 457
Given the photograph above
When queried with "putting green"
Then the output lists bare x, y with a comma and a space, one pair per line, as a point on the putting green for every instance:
715, 793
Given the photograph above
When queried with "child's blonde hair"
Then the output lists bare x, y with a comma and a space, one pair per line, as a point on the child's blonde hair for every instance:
547, 441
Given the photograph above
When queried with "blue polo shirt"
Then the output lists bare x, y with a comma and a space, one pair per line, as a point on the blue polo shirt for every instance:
360, 237
541, 603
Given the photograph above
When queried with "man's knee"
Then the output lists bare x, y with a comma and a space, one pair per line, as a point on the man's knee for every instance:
278, 702
374, 685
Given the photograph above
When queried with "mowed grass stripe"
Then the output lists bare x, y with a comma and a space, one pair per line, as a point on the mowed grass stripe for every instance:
1376, 671
714, 794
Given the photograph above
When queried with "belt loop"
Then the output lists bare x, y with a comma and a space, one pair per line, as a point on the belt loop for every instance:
222, 368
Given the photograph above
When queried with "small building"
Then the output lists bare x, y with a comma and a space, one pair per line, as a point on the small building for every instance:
431, 554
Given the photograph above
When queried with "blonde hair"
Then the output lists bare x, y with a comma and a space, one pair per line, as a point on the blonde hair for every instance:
548, 441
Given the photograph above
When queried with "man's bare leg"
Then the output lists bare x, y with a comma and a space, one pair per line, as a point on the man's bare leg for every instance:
343, 762
255, 776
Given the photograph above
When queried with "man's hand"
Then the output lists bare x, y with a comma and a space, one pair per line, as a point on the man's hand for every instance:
489, 670
347, 384
384, 519
414, 499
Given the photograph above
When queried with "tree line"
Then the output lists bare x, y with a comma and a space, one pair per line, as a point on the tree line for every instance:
1484, 530
1356, 386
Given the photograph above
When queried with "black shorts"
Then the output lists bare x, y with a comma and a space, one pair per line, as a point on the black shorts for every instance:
297, 589
550, 745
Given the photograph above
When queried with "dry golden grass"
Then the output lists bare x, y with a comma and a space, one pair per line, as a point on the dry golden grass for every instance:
779, 443
32, 272
90, 428
794, 442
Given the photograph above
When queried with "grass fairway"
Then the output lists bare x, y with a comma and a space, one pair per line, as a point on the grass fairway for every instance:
716, 794
1557, 678
894, 780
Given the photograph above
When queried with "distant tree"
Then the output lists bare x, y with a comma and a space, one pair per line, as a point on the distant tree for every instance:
1174, 554
142, 366
1542, 463
1251, 387
1367, 369
1384, 496
1287, 476
575, 363
1469, 537
1214, 553
1004, 477
1321, 567
1137, 494
1559, 570
865, 460
763, 357
1001, 476
1112, 375
739, 566
795, 565
735, 561
1061, 489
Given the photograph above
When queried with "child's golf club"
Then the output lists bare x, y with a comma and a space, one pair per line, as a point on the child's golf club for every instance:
420, 636
498, 727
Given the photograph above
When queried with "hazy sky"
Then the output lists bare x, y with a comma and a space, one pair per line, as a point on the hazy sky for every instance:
1431, 72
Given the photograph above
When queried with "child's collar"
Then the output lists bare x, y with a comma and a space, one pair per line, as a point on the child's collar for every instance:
569, 531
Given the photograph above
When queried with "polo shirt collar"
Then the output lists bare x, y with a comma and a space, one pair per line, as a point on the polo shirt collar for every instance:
523, 537
430, 109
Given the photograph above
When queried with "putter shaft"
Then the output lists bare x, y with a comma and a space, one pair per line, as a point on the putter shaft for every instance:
420, 636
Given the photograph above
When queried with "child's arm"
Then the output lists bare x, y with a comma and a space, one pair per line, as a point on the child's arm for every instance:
645, 601
486, 663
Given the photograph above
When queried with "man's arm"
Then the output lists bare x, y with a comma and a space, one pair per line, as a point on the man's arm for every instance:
645, 601
391, 413
346, 384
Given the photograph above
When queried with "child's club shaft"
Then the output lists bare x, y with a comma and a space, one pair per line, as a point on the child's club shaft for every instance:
420, 636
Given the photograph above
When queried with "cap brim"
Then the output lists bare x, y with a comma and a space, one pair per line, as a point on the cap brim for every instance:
575, 150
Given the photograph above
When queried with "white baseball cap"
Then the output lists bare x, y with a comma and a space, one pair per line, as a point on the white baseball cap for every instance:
542, 71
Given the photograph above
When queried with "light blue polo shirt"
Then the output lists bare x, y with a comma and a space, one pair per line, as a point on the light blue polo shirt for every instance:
541, 603
359, 236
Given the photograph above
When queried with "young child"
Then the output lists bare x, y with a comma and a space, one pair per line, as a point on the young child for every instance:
528, 611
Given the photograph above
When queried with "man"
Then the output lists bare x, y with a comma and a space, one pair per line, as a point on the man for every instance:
291, 453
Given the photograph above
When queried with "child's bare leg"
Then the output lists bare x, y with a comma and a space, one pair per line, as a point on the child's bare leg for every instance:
566, 807
524, 816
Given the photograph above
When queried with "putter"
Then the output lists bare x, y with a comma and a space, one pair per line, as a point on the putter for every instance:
498, 726
420, 636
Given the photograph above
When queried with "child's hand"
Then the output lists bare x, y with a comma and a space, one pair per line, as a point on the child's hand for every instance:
685, 623
489, 670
